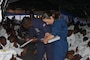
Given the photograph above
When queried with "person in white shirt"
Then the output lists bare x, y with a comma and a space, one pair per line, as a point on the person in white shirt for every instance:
5, 44
3, 32
15, 44
71, 40
78, 37
70, 55
6, 52
86, 52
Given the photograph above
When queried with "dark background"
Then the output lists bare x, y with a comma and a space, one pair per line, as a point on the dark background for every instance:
80, 8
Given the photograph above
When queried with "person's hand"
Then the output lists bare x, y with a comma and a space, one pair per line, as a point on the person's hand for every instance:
13, 59
34, 40
45, 41
27, 39
15, 45
47, 37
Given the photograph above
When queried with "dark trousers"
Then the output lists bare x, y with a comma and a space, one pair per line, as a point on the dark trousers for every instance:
44, 48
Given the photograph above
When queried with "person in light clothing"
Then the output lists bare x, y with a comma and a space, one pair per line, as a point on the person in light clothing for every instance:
14, 44
5, 44
71, 40
3, 32
6, 52
86, 52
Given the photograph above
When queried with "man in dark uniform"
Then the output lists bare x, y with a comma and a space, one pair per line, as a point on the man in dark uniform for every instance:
30, 33
39, 29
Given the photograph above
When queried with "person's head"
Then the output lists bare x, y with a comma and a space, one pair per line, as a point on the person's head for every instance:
70, 32
76, 57
83, 32
13, 38
50, 16
76, 29
26, 22
85, 38
88, 44
70, 54
10, 31
27, 37
3, 40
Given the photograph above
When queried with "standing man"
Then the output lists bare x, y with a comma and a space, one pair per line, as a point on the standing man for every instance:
41, 28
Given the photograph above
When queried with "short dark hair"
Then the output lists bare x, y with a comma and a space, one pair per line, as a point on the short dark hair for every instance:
2, 37
26, 19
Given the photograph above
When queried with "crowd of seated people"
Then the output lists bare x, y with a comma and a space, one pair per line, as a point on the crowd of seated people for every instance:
79, 42
14, 35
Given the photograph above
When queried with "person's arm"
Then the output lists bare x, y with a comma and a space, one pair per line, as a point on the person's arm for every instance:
0, 47
34, 40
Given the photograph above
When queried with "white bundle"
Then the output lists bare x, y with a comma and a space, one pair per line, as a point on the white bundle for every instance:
26, 43
56, 38
2, 45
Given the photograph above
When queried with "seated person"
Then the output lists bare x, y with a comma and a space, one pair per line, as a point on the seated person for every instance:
14, 44
4, 44
13, 58
70, 55
86, 51
10, 31
29, 49
76, 57
14, 40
